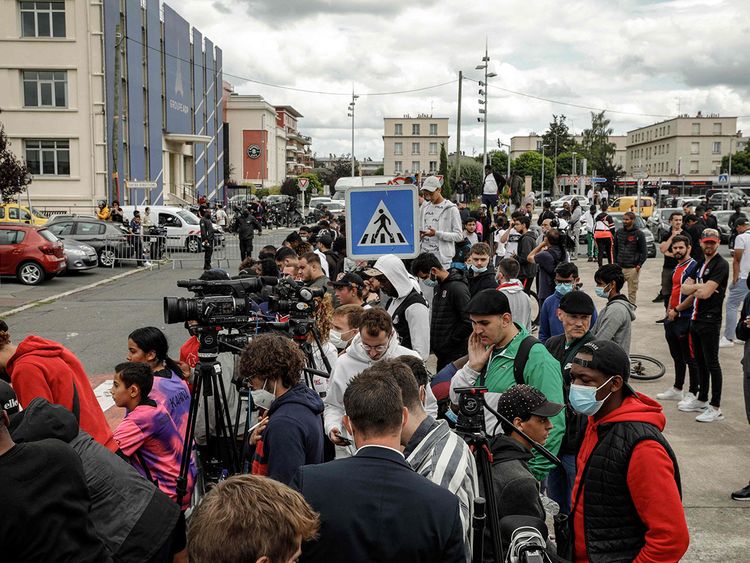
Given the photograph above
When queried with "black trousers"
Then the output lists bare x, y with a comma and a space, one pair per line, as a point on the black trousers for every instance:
604, 248
677, 333
705, 337
208, 251
246, 247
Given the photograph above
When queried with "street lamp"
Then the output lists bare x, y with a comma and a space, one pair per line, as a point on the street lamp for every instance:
541, 195
351, 114
500, 144
483, 91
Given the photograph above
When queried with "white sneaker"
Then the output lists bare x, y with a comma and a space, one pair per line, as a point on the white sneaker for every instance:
693, 406
710, 415
147, 264
688, 398
725, 342
671, 394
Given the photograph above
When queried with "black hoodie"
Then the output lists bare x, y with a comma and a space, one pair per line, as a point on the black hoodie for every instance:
481, 280
450, 327
516, 489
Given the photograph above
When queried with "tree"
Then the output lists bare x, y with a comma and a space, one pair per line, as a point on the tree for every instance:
342, 168
530, 164
471, 171
379, 171
596, 147
289, 187
740, 162
558, 135
499, 161
314, 184
443, 171
14, 175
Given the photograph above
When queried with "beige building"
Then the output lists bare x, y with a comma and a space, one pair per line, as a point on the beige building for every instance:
533, 142
412, 144
690, 147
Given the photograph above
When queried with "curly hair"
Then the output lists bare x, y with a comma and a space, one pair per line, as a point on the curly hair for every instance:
272, 356
324, 316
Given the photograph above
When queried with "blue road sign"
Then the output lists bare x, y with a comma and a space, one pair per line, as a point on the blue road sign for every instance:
723, 178
381, 221
598, 180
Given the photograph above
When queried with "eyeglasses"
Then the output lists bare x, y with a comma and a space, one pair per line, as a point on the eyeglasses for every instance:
378, 349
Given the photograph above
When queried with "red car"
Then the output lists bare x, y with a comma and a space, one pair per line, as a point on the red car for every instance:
32, 254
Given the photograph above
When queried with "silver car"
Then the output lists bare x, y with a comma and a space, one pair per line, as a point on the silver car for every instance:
79, 256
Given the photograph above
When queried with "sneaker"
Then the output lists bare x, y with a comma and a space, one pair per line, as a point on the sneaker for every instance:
742, 494
658, 299
711, 414
725, 342
660, 321
687, 398
671, 394
147, 264
693, 405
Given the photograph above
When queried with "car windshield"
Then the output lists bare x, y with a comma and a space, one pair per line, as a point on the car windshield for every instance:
188, 217
617, 219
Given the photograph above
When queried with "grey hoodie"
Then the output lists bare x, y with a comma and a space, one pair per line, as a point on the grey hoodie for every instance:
520, 302
614, 322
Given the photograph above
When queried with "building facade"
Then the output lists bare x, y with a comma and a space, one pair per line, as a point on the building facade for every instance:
533, 142
412, 144
111, 100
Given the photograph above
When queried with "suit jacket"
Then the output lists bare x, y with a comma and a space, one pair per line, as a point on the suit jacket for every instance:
374, 507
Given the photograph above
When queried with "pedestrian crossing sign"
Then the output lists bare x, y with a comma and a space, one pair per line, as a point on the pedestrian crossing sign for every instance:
382, 220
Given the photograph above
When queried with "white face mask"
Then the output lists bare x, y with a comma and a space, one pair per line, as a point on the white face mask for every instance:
262, 398
336, 338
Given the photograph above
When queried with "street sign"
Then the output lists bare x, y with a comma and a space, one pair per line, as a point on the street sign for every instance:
597, 180
302, 183
140, 185
723, 178
639, 173
382, 221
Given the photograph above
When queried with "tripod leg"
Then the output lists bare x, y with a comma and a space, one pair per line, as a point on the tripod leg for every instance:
485, 469
187, 447
224, 421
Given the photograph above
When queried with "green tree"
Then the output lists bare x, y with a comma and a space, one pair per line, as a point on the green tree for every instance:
379, 171
600, 153
530, 164
558, 135
740, 162
342, 168
499, 161
471, 171
14, 175
443, 171
314, 186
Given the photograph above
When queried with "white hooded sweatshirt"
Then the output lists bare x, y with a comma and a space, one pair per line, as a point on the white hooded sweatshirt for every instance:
520, 302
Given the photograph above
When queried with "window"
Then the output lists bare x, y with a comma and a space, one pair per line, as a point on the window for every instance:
42, 19
11, 236
397, 166
416, 166
717, 146
433, 128
717, 128
715, 167
696, 128
62, 229
693, 166
90, 229
415, 129
49, 158
433, 166
695, 148
667, 149
433, 148
398, 148
399, 129
539, 145
45, 88
415, 148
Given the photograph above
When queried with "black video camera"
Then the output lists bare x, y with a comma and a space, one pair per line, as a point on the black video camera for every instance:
470, 409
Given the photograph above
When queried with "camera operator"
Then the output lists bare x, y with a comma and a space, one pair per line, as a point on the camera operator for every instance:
292, 435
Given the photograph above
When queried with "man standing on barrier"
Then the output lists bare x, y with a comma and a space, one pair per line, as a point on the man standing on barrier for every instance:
207, 238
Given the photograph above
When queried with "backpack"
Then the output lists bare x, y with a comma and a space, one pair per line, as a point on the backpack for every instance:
519, 364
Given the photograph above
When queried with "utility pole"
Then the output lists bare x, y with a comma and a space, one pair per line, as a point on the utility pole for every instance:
116, 116
554, 183
484, 91
458, 127
351, 114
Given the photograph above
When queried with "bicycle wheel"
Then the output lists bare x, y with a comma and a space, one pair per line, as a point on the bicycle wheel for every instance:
645, 368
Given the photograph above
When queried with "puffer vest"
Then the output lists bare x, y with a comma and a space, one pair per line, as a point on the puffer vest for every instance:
613, 530
399, 317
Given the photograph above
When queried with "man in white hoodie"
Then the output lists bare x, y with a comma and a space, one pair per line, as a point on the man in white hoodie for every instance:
376, 341
440, 226
406, 305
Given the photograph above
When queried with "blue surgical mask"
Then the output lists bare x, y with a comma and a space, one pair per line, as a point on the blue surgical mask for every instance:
478, 270
563, 288
601, 292
429, 282
583, 398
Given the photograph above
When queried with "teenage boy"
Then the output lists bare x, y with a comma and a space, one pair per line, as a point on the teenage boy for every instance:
481, 274
618, 314
470, 230
526, 244
566, 280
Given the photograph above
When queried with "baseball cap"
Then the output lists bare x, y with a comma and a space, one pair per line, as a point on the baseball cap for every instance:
325, 240
347, 280
524, 400
607, 357
488, 302
741, 222
710, 234
577, 303
430, 184
8, 399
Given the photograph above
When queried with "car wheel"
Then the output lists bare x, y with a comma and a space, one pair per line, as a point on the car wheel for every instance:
30, 273
107, 257
193, 244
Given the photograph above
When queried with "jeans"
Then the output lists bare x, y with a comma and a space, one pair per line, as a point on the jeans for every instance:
705, 338
560, 482
677, 333
735, 297
576, 236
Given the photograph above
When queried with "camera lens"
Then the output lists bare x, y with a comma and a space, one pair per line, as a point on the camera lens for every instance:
179, 310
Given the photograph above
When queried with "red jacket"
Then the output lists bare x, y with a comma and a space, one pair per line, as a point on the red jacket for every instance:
43, 368
651, 482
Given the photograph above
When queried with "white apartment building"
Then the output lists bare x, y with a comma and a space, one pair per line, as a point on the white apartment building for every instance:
412, 144
682, 147
533, 142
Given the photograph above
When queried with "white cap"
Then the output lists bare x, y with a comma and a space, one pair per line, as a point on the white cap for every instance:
431, 183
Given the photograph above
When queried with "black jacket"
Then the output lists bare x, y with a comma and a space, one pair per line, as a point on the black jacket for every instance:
526, 244
450, 326
630, 247
207, 230
480, 281
363, 503
246, 225
695, 231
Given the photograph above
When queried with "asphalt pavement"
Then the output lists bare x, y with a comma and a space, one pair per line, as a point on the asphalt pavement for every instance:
713, 458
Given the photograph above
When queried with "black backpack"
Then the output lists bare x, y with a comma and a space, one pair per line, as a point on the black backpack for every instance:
519, 364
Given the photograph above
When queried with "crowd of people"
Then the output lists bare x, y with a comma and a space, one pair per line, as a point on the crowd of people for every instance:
370, 463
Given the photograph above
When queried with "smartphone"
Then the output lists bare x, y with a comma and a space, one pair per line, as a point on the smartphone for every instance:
347, 441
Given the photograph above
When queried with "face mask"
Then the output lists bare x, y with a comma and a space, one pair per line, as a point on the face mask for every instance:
478, 270
335, 337
563, 288
583, 398
601, 292
430, 282
262, 398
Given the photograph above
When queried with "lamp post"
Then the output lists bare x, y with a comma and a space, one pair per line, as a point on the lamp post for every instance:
351, 114
483, 91
541, 194
500, 144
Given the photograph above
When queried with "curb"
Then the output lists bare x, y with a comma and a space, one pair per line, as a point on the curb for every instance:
4, 314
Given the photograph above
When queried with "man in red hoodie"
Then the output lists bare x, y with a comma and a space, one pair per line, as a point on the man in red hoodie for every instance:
42, 368
626, 499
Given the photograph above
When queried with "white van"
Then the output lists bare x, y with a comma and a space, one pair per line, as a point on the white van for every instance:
183, 226
347, 182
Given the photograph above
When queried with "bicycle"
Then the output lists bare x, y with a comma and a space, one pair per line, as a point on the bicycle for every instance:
645, 368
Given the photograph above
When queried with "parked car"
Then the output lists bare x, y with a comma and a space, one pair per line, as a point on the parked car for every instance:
79, 256
629, 203
109, 240
640, 224
183, 226
738, 193
336, 208
17, 213
557, 205
316, 201
722, 218
658, 223
725, 200
32, 254
693, 201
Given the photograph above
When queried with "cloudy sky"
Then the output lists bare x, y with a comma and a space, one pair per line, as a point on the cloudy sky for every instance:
647, 59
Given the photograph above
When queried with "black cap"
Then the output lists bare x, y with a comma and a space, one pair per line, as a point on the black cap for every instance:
325, 240
577, 303
524, 400
488, 302
741, 222
349, 279
8, 399
607, 357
